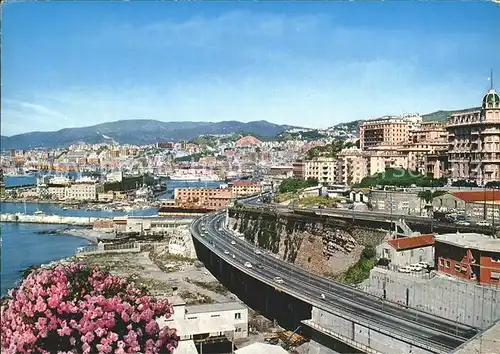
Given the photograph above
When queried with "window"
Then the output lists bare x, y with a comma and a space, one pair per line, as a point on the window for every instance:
441, 262
457, 268
192, 318
495, 275
215, 316
237, 316
447, 264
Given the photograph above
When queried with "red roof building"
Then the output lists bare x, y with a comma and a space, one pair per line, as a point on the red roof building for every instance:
408, 250
248, 141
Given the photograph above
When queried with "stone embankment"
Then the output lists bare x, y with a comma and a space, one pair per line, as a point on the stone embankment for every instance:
322, 246
48, 219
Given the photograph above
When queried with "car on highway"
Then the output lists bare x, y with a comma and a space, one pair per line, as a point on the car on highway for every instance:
226, 252
260, 265
483, 223
278, 280
258, 251
233, 243
234, 256
463, 223
248, 264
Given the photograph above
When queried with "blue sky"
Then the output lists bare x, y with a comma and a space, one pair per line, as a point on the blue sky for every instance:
308, 64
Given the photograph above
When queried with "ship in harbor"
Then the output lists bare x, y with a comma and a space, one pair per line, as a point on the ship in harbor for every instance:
193, 178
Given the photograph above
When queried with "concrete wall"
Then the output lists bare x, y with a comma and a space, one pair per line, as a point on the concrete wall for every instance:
365, 336
406, 257
456, 300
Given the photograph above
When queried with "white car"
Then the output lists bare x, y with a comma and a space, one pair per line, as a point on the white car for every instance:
233, 243
226, 252
234, 256
278, 280
424, 265
483, 223
463, 223
248, 264
258, 252
415, 268
404, 269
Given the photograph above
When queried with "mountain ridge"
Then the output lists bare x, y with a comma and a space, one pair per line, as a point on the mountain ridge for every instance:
137, 132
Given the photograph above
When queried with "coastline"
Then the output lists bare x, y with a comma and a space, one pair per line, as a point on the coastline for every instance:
88, 234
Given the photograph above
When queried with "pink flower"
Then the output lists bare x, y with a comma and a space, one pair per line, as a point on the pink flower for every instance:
87, 311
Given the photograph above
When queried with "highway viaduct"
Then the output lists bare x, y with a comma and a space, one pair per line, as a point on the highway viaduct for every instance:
335, 328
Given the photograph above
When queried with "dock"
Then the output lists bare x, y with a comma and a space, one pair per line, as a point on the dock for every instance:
49, 219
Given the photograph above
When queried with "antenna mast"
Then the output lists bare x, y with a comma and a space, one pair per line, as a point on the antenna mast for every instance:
491, 79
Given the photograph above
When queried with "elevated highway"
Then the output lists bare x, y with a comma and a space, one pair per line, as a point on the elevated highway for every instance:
387, 321
387, 220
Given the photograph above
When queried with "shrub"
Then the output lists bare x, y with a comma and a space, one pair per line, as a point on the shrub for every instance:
77, 309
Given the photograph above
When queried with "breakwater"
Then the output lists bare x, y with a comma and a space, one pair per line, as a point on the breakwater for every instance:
49, 219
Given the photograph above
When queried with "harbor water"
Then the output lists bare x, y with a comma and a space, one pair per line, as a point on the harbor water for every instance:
23, 245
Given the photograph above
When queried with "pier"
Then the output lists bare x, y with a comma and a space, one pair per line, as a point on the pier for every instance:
49, 219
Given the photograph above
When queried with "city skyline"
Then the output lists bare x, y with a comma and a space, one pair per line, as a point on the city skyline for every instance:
81, 64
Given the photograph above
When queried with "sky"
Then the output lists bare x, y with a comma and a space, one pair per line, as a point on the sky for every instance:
312, 64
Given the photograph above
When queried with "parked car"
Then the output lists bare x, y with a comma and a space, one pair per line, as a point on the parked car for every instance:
226, 252
405, 269
248, 264
415, 267
483, 223
233, 242
463, 223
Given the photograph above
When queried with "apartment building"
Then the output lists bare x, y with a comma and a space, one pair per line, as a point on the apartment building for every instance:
244, 188
209, 198
386, 131
351, 166
324, 169
381, 158
474, 141
469, 256
61, 188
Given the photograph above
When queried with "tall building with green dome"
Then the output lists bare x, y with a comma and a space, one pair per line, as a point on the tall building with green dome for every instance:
474, 141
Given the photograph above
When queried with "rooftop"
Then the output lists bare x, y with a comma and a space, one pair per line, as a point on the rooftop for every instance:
410, 242
186, 347
190, 327
261, 348
478, 195
224, 306
471, 240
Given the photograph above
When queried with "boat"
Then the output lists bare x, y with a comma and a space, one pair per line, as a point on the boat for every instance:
193, 178
38, 212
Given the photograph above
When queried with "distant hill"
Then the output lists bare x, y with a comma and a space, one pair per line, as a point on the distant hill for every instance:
441, 116
438, 116
138, 132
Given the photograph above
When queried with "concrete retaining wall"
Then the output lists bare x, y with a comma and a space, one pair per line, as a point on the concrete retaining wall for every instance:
360, 336
456, 300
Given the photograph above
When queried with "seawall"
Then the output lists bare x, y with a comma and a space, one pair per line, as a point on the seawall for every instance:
49, 219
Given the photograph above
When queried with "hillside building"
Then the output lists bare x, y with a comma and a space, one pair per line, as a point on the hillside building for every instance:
474, 141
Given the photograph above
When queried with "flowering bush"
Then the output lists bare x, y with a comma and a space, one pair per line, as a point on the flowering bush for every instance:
76, 309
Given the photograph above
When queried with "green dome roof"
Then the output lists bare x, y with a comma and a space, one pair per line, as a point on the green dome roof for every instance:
491, 100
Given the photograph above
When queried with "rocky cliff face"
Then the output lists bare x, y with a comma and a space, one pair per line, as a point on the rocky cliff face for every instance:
319, 245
